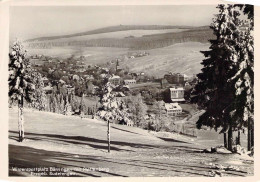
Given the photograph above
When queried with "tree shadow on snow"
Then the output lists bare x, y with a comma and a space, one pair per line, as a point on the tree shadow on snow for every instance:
98, 143
172, 140
125, 130
81, 140
27, 157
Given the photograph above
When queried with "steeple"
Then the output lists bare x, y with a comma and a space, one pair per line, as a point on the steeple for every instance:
117, 65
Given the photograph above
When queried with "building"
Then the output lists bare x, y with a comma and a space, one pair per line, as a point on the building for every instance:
90, 88
174, 78
186, 77
76, 77
48, 89
115, 80
36, 62
177, 94
164, 83
89, 77
70, 89
187, 86
62, 64
62, 81
106, 70
45, 81
173, 108
81, 69
103, 75
130, 82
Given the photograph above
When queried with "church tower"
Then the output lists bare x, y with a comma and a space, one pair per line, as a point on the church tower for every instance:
117, 65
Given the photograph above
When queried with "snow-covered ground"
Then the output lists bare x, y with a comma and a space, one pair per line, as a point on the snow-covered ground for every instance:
68, 142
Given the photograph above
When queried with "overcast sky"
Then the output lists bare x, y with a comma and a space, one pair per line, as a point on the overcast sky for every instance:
31, 22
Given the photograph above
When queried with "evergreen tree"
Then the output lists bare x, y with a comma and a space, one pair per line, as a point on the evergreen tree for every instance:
40, 100
21, 86
108, 105
138, 109
62, 104
243, 111
111, 108
68, 109
214, 91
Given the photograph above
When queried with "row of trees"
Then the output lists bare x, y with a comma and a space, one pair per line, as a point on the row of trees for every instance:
138, 43
226, 83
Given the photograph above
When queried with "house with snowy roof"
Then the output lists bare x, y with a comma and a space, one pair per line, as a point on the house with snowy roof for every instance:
130, 82
173, 108
176, 94
115, 80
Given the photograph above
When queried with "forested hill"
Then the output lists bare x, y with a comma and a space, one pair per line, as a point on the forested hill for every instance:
146, 41
112, 29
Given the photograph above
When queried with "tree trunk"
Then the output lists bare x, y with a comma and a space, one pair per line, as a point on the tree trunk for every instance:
230, 138
225, 140
108, 135
81, 106
249, 136
20, 120
238, 138
252, 135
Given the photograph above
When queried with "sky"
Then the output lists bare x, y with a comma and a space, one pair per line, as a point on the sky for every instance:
37, 21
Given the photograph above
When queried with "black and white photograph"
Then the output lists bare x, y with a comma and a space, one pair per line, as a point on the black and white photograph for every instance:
131, 91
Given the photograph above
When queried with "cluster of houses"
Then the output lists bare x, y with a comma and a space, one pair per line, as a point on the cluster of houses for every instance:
139, 54
60, 85
132, 55
77, 71
175, 94
177, 78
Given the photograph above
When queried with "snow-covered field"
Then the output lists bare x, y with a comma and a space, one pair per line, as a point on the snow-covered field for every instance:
94, 55
181, 57
118, 34
64, 142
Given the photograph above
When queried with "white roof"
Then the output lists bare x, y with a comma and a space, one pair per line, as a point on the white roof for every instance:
178, 100
115, 77
175, 89
47, 88
132, 80
121, 94
172, 106
62, 81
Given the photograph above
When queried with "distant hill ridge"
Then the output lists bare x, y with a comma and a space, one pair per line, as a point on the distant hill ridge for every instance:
150, 41
112, 29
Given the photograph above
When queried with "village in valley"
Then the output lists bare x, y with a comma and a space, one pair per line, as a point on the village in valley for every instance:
71, 77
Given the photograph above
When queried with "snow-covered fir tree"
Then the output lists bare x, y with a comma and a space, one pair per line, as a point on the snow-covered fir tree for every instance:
39, 94
111, 107
243, 111
21, 85
67, 107
213, 91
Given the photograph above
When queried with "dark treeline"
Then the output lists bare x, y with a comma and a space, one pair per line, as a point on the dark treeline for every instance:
113, 29
146, 42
